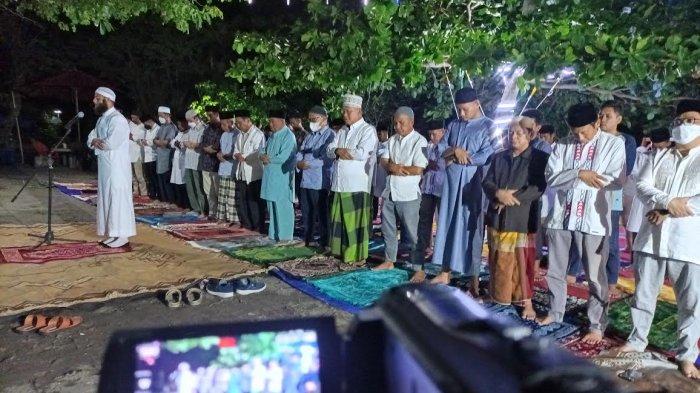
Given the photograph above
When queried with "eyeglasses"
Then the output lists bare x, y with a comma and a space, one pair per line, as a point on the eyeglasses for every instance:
678, 121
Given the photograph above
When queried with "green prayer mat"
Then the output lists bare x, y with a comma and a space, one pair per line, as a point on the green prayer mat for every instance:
663, 333
271, 254
361, 287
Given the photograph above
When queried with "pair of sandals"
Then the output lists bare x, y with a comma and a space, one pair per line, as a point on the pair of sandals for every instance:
47, 325
193, 296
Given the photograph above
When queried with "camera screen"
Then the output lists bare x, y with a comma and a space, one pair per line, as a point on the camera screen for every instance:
263, 362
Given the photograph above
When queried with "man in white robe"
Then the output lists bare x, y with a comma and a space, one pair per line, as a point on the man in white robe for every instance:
110, 141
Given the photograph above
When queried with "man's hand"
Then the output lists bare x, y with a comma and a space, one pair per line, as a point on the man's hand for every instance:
591, 178
432, 166
343, 154
220, 156
302, 165
209, 150
396, 169
656, 217
507, 198
239, 157
499, 207
265, 159
678, 207
462, 156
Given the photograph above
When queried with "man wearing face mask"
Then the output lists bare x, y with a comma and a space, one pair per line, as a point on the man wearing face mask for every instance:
669, 183
315, 168
166, 133
583, 168
149, 157
110, 142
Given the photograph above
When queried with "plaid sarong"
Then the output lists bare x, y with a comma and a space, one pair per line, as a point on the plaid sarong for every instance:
226, 206
350, 226
512, 266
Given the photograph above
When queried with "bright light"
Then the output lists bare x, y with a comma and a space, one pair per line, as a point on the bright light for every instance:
567, 71
57, 112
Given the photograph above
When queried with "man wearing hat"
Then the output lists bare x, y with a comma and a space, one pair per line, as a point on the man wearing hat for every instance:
353, 151
315, 168
166, 133
247, 148
110, 141
279, 161
193, 172
208, 162
226, 211
431, 190
669, 183
583, 168
460, 229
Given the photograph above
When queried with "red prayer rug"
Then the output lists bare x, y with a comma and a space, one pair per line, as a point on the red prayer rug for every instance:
574, 344
211, 232
56, 252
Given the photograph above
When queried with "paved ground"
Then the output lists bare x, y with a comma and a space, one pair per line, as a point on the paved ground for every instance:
70, 361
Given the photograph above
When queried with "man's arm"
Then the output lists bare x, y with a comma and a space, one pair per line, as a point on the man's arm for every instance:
646, 189
536, 183
366, 146
117, 134
286, 152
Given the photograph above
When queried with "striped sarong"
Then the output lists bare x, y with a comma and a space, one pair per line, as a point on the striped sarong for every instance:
512, 266
350, 226
226, 205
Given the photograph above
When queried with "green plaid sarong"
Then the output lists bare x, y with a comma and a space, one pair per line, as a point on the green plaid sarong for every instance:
350, 226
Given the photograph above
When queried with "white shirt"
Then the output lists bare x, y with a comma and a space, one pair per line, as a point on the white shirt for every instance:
409, 150
354, 175
178, 168
138, 132
249, 144
668, 175
577, 206
192, 155
149, 152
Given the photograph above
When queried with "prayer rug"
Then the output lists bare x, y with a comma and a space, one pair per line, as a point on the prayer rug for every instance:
555, 331
56, 252
663, 333
578, 289
540, 302
158, 221
240, 242
156, 261
315, 267
156, 211
305, 287
360, 287
627, 285
271, 254
574, 344
221, 232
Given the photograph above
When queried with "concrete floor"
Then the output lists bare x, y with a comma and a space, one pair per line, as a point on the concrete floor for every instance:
69, 362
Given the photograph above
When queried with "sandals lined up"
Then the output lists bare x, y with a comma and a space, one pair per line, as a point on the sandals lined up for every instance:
193, 295
46, 325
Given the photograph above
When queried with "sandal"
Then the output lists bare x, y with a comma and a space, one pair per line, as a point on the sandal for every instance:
32, 322
60, 323
194, 296
173, 298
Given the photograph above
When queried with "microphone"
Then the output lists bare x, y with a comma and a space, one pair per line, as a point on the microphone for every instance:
72, 121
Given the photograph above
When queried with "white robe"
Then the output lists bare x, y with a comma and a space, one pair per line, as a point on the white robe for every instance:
178, 168
115, 207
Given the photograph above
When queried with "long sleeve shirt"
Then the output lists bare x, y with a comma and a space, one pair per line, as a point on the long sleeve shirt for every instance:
226, 167
178, 167
249, 144
149, 152
164, 155
578, 206
408, 150
354, 175
668, 175
313, 151
524, 173
278, 174
434, 175
192, 155
208, 162
138, 132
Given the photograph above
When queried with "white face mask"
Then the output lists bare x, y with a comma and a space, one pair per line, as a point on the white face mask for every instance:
191, 124
161, 120
685, 133
314, 126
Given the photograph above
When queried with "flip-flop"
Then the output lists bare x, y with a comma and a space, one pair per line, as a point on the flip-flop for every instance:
32, 322
194, 296
173, 298
60, 323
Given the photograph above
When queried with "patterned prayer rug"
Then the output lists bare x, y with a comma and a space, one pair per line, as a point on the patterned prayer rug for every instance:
555, 331
627, 285
540, 301
663, 328
360, 287
220, 232
240, 242
155, 211
158, 221
574, 344
315, 267
56, 252
271, 254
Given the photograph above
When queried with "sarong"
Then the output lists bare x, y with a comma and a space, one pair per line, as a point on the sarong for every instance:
512, 258
350, 226
226, 205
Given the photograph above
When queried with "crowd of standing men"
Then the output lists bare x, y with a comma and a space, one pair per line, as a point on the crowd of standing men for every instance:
571, 194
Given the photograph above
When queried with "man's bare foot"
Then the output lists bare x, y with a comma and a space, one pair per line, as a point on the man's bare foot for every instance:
418, 277
688, 369
593, 337
571, 279
528, 313
544, 320
442, 278
384, 266
621, 349
613, 291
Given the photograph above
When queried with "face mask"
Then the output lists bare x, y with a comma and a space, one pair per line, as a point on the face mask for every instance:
161, 120
191, 124
314, 126
685, 133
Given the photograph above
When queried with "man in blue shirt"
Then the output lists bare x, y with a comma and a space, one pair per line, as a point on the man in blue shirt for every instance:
315, 167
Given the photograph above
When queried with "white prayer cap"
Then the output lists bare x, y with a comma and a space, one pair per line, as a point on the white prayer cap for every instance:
163, 109
190, 114
106, 92
352, 101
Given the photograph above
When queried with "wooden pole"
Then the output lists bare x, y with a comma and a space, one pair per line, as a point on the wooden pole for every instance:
19, 134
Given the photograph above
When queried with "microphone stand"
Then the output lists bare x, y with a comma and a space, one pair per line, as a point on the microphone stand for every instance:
48, 237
